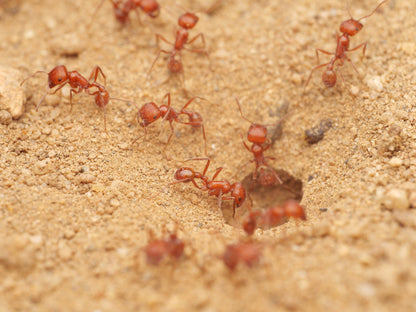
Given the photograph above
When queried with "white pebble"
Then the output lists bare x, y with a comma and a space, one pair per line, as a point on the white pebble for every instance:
374, 83
396, 199
12, 95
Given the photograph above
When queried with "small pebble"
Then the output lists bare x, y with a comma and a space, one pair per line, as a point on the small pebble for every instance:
396, 162
64, 251
5, 117
374, 83
396, 199
86, 178
12, 95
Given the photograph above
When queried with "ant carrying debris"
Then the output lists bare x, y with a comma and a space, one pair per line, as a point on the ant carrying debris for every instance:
274, 216
150, 112
348, 28
214, 188
157, 249
60, 76
186, 21
123, 9
248, 253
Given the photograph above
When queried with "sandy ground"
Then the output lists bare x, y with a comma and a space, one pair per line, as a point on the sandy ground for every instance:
77, 204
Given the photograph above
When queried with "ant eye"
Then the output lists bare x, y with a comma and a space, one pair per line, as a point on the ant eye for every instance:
154, 117
59, 79
357, 29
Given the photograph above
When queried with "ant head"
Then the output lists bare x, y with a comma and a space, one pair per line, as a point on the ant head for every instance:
150, 7
351, 27
257, 134
239, 193
148, 113
184, 173
188, 20
175, 246
57, 76
329, 78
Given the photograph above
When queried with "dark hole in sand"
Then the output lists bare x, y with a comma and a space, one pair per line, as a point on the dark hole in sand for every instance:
264, 197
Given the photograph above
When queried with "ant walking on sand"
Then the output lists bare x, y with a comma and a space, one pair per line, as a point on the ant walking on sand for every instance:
214, 188
60, 76
122, 9
150, 112
248, 253
257, 134
274, 216
348, 28
157, 249
186, 21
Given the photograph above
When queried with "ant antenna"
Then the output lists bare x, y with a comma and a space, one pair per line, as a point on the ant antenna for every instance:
349, 9
253, 123
43, 97
39, 71
380, 4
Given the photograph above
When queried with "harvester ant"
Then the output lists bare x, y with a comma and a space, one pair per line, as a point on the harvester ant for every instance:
348, 28
150, 112
60, 76
257, 134
248, 253
157, 249
274, 216
186, 21
122, 9
214, 188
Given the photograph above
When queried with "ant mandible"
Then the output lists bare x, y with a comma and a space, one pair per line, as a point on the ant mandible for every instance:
122, 9
150, 112
186, 21
257, 134
274, 216
60, 76
214, 188
348, 28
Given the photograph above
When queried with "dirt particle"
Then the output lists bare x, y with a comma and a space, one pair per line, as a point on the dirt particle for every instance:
395, 162
86, 178
12, 95
374, 82
5, 117
396, 199
64, 251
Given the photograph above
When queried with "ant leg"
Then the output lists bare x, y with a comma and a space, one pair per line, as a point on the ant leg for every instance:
143, 136
217, 172
244, 143
202, 158
353, 66
364, 45
153, 64
171, 133
312, 71
94, 74
138, 16
322, 51
159, 36
203, 51
200, 35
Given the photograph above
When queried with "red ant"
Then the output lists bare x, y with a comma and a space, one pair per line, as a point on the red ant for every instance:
122, 9
150, 112
186, 21
214, 188
157, 249
257, 134
248, 253
60, 76
274, 216
348, 28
